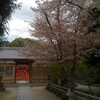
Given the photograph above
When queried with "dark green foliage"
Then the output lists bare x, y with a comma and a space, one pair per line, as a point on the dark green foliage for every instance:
95, 17
4, 43
92, 58
29, 40
88, 74
7, 7
1, 40
59, 72
96, 13
1, 84
17, 43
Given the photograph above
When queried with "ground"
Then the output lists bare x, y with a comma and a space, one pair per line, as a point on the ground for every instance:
39, 91
44, 94
9, 94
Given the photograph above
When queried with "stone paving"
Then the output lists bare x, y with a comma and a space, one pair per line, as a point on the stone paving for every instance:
26, 93
34, 93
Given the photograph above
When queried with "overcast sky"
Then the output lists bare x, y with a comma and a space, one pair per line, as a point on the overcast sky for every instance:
18, 25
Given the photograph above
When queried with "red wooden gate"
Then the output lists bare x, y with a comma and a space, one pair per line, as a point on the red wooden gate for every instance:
22, 73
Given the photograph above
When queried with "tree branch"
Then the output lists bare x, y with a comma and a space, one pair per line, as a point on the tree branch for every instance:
70, 2
46, 16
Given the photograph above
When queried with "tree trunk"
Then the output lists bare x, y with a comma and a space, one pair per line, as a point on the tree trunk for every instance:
74, 63
89, 86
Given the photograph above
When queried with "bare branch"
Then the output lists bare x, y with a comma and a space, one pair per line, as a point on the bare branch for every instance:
70, 2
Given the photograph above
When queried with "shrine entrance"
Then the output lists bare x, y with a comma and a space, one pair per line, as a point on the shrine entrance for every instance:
22, 74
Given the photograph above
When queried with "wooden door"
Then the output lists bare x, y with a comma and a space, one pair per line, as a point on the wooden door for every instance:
22, 73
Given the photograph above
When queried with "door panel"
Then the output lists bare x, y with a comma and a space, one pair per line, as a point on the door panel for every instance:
22, 73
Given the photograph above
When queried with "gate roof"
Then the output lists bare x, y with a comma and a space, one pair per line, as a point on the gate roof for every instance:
15, 53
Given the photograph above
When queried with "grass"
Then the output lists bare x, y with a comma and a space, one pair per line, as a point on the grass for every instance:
85, 89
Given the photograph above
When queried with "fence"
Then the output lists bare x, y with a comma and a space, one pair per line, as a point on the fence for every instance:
58, 90
83, 96
65, 93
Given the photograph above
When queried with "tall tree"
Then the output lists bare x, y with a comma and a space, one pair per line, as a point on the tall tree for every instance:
52, 23
6, 9
65, 28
